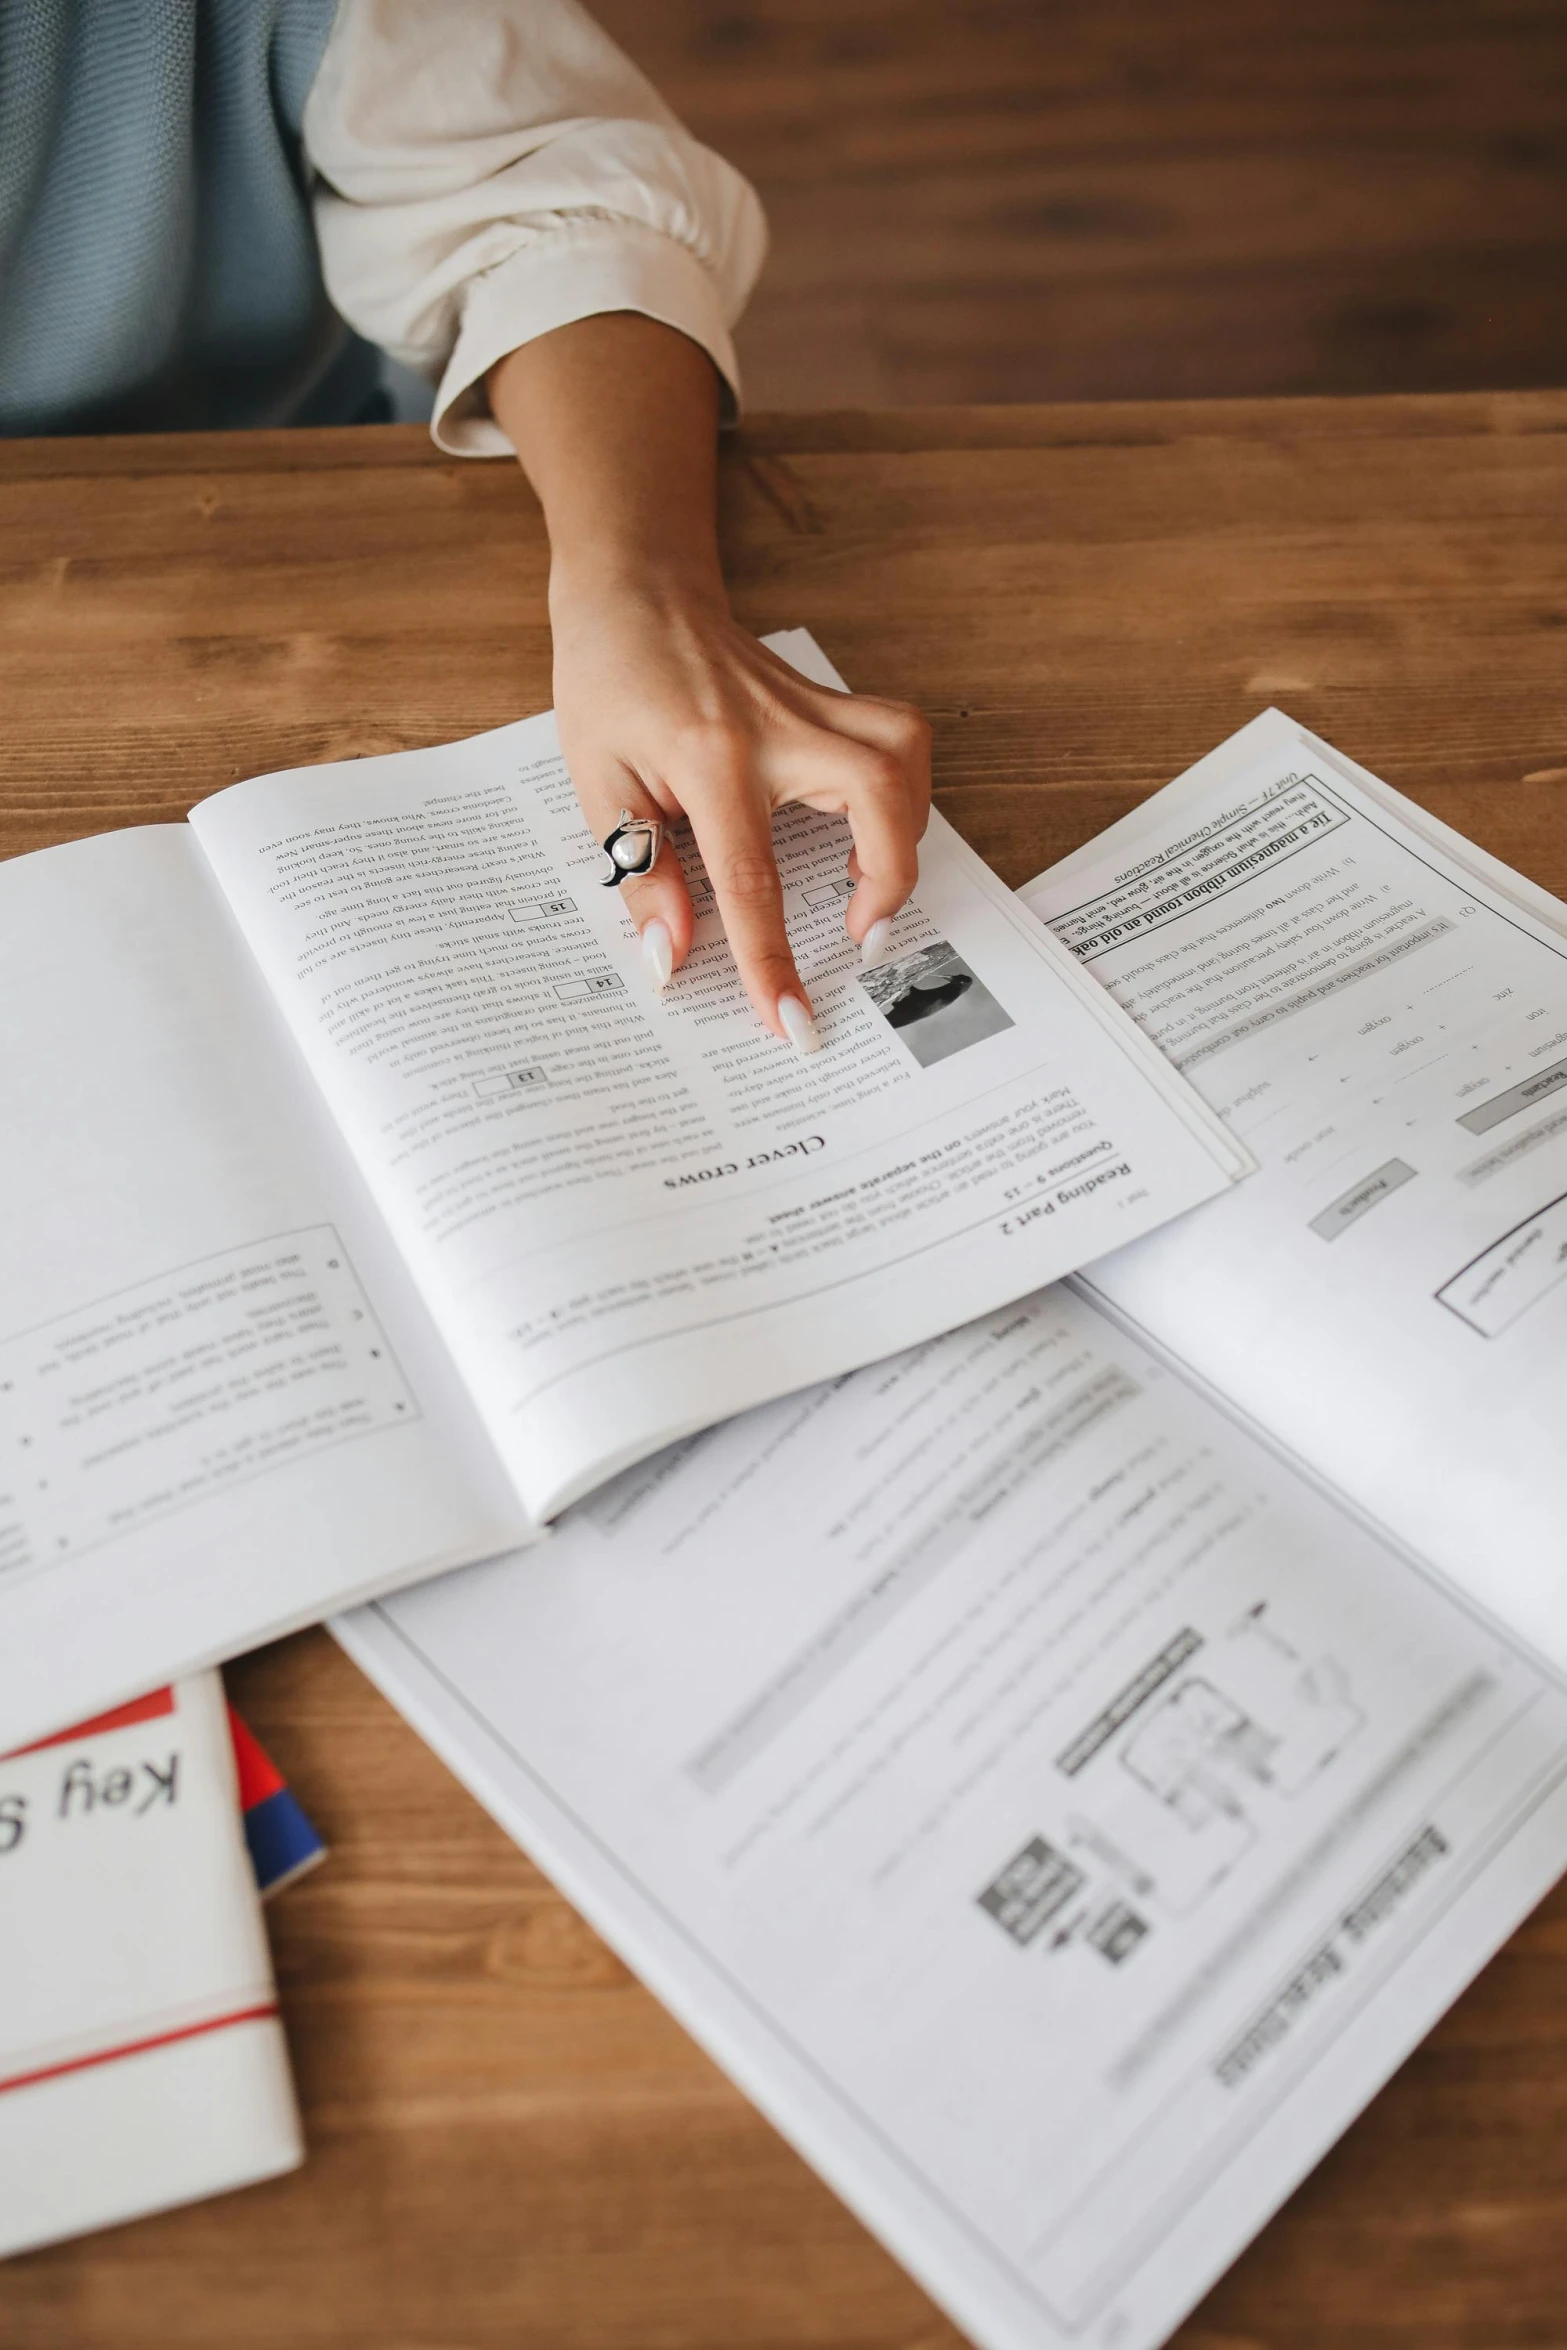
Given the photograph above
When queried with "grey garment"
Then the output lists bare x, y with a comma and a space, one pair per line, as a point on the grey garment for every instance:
158, 263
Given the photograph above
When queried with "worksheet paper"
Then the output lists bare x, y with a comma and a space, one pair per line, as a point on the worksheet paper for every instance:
631, 1214
1379, 1011
1057, 1813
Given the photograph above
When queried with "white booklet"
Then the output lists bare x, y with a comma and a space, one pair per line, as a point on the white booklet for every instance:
360, 1207
142, 2062
1047, 1769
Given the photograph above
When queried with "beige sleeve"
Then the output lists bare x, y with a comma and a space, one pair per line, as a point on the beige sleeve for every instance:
486, 170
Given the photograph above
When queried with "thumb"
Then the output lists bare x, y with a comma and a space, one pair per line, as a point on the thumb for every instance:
659, 903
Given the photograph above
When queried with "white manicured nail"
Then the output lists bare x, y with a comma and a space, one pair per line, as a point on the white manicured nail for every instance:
658, 952
799, 1027
873, 946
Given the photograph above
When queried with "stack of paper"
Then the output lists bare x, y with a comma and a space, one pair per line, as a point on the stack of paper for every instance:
1062, 1770
1058, 1747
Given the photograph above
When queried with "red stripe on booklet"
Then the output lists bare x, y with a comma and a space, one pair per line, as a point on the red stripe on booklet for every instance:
119, 1717
79, 2064
259, 1775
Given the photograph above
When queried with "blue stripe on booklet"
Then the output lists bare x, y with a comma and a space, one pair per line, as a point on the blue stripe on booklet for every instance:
282, 1842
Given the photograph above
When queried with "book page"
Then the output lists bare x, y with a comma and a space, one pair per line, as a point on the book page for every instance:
1383, 1021
222, 1407
1056, 1813
632, 1214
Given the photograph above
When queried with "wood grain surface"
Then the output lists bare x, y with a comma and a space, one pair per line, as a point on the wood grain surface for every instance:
512, 2147
1113, 199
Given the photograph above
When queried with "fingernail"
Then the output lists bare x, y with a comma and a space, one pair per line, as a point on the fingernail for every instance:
873, 946
799, 1027
658, 952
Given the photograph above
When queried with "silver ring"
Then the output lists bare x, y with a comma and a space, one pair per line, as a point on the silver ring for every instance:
632, 848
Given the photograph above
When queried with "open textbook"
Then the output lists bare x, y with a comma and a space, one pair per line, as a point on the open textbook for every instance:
360, 1207
1062, 1771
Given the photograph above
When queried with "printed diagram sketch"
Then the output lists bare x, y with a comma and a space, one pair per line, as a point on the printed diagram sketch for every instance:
1514, 1273
1188, 1762
935, 1002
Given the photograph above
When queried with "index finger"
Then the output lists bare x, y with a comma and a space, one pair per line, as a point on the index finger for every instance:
735, 835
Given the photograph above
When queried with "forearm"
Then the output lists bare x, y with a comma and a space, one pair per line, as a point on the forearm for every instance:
665, 705
615, 421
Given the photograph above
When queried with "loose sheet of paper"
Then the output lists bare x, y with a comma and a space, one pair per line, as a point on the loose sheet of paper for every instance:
1383, 1020
222, 1409
629, 1214
1056, 1814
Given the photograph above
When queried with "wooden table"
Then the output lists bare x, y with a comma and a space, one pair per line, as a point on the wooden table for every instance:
511, 2144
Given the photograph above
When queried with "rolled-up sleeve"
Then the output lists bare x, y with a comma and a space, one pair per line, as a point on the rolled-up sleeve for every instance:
489, 169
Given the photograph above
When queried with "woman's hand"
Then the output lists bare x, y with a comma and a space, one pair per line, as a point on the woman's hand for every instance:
665, 705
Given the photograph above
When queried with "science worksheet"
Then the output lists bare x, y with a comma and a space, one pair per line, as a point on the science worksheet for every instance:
1379, 1011
361, 1206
